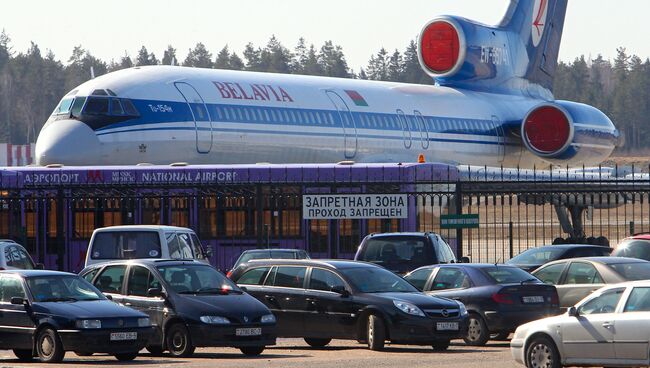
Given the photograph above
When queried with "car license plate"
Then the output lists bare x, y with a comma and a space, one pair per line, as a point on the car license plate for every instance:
248, 331
447, 326
532, 299
123, 336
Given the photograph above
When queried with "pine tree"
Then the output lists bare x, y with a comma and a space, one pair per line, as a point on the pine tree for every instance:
253, 58
395, 72
377, 68
412, 71
169, 56
223, 59
332, 61
199, 57
236, 63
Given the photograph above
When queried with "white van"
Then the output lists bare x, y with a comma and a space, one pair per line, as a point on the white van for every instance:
144, 241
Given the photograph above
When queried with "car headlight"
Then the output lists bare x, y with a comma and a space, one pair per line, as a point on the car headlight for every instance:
215, 320
408, 308
144, 322
463, 310
89, 323
269, 318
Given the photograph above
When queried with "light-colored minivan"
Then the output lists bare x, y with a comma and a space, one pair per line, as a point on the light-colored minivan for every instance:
143, 241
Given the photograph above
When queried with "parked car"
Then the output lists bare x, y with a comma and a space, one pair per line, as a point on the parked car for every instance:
533, 258
404, 252
498, 298
190, 305
324, 300
14, 256
611, 327
144, 241
251, 254
636, 246
46, 313
576, 278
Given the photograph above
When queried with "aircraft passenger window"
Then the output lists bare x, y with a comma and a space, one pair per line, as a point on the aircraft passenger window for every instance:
275, 118
116, 107
239, 114
286, 116
268, 118
96, 106
129, 108
246, 115
317, 118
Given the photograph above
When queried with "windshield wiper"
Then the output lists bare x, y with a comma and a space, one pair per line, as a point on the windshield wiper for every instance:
62, 299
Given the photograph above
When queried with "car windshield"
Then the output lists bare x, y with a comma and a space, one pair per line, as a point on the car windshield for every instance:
636, 248
508, 275
632, 271
273, 254
377, 280
537, 256
397, 249
62, 289
197, 279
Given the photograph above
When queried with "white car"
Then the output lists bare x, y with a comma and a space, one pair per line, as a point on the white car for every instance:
610, 327
14, 256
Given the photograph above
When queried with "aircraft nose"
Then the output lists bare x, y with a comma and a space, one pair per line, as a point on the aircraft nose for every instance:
67, 142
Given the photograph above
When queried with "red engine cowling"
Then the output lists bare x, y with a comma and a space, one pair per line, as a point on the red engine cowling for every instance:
547, 130
442, 47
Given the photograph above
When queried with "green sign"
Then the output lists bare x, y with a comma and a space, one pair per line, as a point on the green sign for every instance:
459, 221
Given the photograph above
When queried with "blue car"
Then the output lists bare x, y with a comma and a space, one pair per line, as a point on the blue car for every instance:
46, 313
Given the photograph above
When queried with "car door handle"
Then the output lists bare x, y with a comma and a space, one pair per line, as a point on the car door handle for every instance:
311, 300
608, 324
270, 298
128, 304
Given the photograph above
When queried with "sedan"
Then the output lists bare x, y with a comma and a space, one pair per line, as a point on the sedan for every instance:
609, 328
531, 259
324, 300
498, 298
47, 313
579, 277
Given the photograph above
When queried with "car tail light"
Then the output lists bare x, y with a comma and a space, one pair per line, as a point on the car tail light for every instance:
502, 298
555, 299
229, 274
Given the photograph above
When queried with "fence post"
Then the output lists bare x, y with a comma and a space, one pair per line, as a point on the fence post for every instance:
511, 241
631, 228
459, 211
60, 235
259, 215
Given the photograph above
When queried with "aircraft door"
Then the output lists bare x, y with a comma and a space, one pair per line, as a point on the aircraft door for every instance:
200, 114
406, 129
424, 129
498, 127
347, 122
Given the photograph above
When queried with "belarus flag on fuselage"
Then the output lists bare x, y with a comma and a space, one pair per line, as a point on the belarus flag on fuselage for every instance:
357, 98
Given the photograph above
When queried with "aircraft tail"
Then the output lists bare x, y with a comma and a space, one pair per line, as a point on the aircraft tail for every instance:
519, 55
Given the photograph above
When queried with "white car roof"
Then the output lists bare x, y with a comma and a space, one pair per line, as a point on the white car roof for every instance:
143, 227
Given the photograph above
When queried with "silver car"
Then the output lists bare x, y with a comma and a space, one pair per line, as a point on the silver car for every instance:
611, 327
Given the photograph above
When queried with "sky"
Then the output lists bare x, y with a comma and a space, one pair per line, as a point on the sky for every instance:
109, 29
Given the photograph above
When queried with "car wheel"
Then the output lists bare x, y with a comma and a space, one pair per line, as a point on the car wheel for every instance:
440, 345
24, 355
376, 333
155, 350
500, 336
477, 333
125, 357
178, 339
252, 350
49, 347
317, 343
542, 353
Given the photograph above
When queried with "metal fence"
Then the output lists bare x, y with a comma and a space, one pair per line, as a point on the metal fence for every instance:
56, 223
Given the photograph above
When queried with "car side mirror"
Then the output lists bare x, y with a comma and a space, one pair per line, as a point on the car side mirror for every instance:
464, 260
208, 252
16, 300
340, 290
155, 292
573, 312
244, 289
39, 266
109, 297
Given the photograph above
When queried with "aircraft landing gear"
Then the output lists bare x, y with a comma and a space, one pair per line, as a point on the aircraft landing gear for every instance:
573, 226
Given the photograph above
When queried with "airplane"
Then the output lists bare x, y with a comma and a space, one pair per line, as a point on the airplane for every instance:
492, 105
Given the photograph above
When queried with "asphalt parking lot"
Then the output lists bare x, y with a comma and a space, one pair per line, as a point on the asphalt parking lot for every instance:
295, 353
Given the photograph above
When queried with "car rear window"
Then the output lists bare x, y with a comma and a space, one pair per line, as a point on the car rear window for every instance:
397, 249
507, 275
632, 271
125, 245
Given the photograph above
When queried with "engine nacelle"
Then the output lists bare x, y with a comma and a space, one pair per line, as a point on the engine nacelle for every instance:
569, 133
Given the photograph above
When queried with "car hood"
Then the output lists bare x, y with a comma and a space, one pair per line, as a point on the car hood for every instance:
232, 306
87, 309
421, 300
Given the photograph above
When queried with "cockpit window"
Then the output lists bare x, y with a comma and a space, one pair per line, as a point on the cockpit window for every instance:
96, 106
129, 108
77, 106
111, 92
99, 92
64, 106
116, 107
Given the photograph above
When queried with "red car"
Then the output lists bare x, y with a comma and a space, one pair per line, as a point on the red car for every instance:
635, 246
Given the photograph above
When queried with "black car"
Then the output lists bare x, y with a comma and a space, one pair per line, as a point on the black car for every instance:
533, 258
324, 300
404, 252
190, 305
276, 253
47, 313
498, 298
